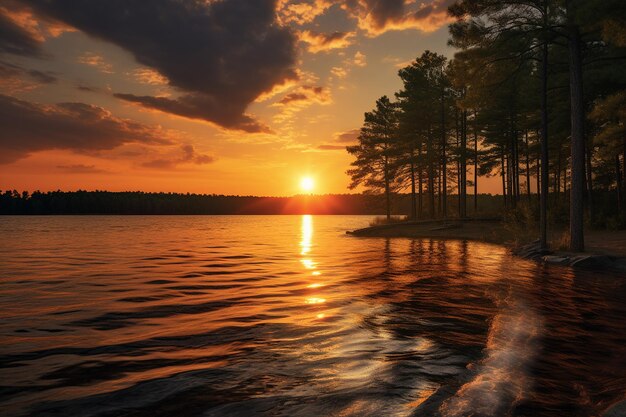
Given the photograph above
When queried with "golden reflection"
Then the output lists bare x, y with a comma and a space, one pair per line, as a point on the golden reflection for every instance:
307, 234
315, 300
306, 244
308, 263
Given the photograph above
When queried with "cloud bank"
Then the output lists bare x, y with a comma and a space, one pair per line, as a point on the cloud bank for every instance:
220, 54
30, 127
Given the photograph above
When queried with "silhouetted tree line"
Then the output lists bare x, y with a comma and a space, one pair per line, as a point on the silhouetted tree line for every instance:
105, 202
535, 94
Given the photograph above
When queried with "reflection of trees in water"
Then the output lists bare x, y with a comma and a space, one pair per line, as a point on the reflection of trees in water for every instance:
583, 366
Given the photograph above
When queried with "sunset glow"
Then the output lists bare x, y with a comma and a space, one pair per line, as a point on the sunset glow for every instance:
194, 117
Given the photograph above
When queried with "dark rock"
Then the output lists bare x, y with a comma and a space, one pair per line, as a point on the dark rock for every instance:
616, 410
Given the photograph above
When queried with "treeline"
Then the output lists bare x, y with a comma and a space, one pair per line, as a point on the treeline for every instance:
536, 94
105, 202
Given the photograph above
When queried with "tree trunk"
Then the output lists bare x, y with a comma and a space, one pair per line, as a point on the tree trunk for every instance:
589, 183
543, 194
387, 191
513, 165
413, 200
463, 155
457, 133
577, 240
527, 169
475, 165
557, 177
624, 171
538, 181
439, 190
444, 159
431, 175
618, 178
420, 181
509, 181
503, 169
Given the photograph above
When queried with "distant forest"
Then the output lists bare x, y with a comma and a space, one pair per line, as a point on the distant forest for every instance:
106, 202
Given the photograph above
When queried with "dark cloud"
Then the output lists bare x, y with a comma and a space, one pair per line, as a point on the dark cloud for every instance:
189, 156
376, 16
87, 89
30, 127
81, 169
8, 70
307, 93
202, 107
222, 53
347, 137
326, 41
382, 12
42, 77
293, 97
15, 39
331, 148
341, 140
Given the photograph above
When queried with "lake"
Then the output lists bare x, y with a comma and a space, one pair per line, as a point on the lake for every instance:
288, 316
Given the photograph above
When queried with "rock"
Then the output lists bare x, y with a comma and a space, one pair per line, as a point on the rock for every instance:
592, 261
553, 259
616, 410
447, 227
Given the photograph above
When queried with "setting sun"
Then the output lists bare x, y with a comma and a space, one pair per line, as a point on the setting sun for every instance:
307, 184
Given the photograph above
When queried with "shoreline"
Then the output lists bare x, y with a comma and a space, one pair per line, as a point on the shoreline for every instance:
494, 231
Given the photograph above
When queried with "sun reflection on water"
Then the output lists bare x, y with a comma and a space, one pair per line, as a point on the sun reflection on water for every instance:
307, 234
306, 245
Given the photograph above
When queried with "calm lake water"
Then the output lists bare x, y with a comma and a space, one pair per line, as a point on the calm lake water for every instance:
288, 316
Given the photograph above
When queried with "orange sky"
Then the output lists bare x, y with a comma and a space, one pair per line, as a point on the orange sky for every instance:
230, 97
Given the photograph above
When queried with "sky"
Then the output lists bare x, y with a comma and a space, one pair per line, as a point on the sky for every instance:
241, 97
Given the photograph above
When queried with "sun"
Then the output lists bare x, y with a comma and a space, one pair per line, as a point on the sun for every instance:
307, 184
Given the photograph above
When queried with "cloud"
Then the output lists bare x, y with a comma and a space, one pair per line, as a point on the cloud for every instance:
148, 76
307, 94
94, 60
331, 148
301, 12
341, 140
348, 137
225, 52
323, 42
189, 155
21, 33
30, 127
15, 79
359, 59
376, 17
200, 107
17, 38
81, 169
339, 72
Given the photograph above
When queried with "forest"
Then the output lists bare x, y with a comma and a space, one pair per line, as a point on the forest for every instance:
535, 94
137, 202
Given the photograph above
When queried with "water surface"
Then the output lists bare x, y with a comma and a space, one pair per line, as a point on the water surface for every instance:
288, 316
